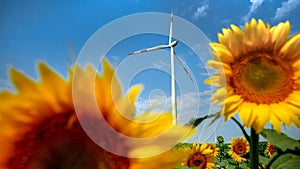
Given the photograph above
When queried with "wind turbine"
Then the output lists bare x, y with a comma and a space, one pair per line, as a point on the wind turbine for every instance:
171, 46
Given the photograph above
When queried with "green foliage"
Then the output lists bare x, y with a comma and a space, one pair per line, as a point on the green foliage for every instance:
262, 147
182, 167
220, 140
287, 154
182, 146
264, 160
288, 161
280, 140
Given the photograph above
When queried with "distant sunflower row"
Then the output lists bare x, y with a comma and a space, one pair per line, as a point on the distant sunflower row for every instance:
208, 155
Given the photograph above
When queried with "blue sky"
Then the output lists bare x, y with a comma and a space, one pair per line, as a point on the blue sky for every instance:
36, 30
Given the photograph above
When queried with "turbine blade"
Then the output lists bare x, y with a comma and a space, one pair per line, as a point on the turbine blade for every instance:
149, 49
171, 28
184, 67
205, 74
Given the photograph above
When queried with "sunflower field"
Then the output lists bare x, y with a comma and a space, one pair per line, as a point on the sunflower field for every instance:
235, 155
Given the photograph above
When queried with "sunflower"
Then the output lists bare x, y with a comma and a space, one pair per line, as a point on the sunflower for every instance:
200, 156
258, 74
270, 149
40, 129
238, 147
214, 148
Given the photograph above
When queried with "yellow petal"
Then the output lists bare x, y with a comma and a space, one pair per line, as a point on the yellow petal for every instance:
250, 32
134, 91
145, 123
167, 160
50, 83
231, 105
264, 113
108, 71
296, 75
291, 108
236, 29
296, 66
295, 120
281, 113
235, 42
49, 77
22, 83
245, 113
293, 112
280, 34
290, 50
223, 38
275, 122
213, 80
294, 98
263, 34
221, 52
219, 95
220, 67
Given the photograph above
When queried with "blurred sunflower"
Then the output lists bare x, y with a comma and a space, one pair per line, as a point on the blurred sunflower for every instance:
39, 127
238, 147
214, 148
259, 74
199, 156
270, 149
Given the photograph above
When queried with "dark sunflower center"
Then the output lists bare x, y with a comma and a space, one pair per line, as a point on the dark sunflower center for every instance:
262, 78
240, 148
55, 144
271, 149
197, 160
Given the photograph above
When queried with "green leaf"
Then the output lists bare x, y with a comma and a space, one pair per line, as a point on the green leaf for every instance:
197, 121
224, 163
183, 167
231, 167
263, 160
287, 161
280, 140
243, 166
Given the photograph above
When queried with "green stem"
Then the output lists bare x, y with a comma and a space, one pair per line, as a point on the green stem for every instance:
254, 150
242, 128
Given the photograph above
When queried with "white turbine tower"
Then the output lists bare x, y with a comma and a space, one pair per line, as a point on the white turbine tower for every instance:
171, 45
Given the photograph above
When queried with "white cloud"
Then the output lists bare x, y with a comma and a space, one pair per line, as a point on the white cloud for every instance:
189, 105
161, 65
255, 4
201, 11
156, 102
285, 8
